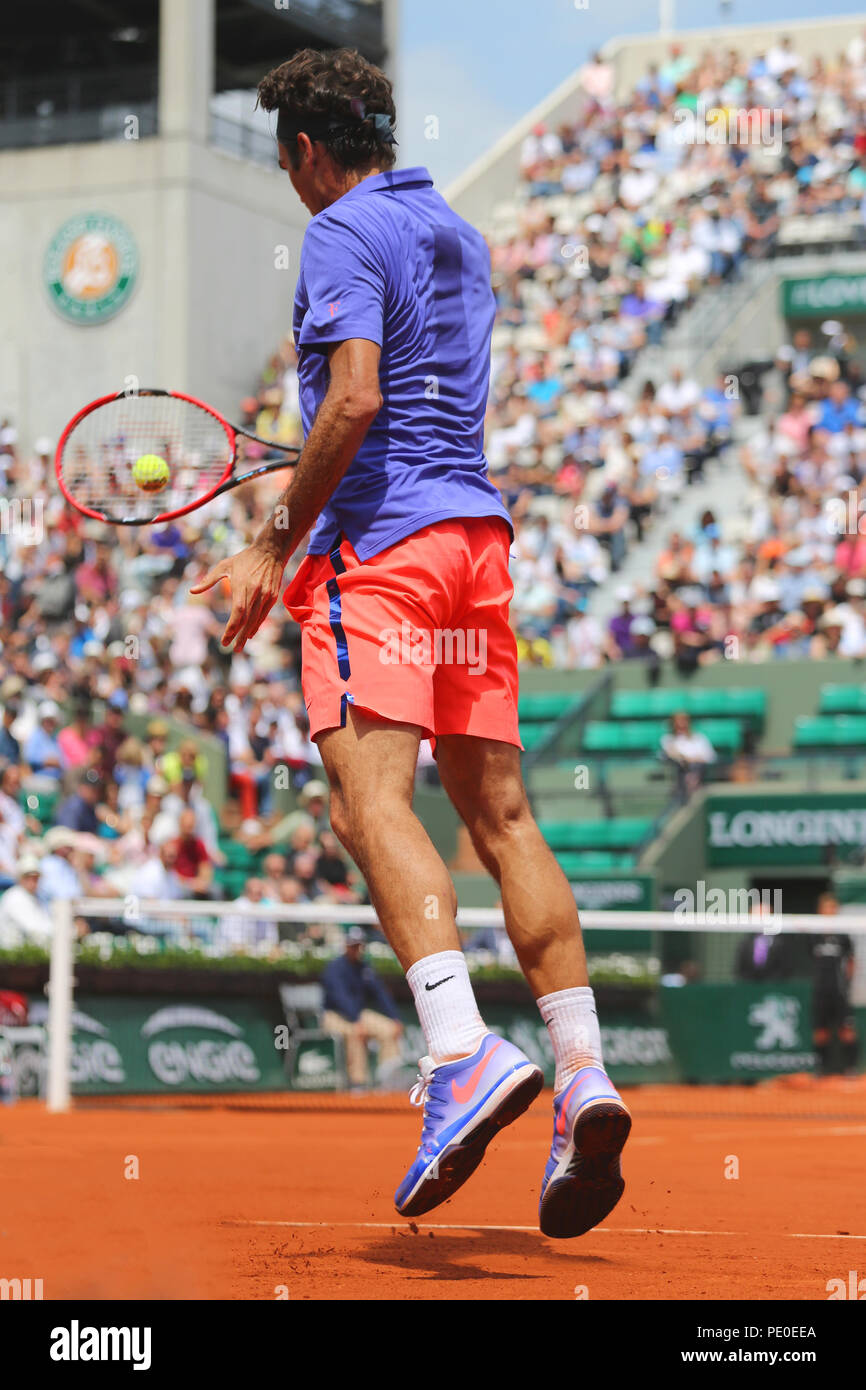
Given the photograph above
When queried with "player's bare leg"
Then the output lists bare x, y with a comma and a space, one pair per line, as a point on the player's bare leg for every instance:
484, 781
473, 1082
582, 1181
370, 766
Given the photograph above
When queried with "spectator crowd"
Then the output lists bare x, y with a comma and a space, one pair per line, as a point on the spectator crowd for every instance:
622, 219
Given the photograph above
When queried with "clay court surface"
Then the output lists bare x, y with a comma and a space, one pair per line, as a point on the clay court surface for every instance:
234, 1201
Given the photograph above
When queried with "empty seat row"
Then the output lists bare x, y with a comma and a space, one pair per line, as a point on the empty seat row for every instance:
617, 738
841, 731
574, 863
618, 833
744, 703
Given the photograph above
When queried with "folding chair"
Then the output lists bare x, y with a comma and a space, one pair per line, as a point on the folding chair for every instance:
303, 1009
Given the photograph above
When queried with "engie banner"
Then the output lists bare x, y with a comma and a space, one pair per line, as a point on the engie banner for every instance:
145, 1044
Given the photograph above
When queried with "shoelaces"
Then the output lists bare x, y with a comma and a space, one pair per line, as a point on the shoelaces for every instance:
423, 1093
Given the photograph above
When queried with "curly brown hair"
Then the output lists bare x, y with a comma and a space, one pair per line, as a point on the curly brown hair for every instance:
336, 84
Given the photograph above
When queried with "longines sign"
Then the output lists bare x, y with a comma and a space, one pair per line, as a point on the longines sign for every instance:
819, 295
785, 829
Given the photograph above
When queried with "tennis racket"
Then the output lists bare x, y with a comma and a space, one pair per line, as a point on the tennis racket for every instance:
134, 460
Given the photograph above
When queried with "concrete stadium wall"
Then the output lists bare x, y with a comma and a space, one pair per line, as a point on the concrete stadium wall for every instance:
209, 305
492, 178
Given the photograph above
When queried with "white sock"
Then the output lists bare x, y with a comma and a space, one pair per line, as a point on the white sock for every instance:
572, 1023
446, 1006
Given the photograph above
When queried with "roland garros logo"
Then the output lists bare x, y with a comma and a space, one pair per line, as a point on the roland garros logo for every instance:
91, 267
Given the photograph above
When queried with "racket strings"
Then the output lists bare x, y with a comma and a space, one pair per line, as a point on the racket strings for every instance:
112, 459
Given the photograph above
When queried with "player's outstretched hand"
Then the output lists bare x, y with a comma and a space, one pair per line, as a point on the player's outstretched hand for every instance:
255, 576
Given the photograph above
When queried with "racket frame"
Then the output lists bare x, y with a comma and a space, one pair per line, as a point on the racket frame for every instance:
226, 481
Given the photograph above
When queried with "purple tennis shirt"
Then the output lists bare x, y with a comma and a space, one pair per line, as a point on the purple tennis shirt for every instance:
390, 262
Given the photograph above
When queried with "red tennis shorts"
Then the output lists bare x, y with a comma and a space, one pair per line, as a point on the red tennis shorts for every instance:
418, 634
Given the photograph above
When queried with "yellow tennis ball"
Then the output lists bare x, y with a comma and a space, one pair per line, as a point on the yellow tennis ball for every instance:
151, 472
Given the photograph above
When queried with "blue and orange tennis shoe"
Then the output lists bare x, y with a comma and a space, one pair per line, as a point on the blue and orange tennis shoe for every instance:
465, 1104
582, 1180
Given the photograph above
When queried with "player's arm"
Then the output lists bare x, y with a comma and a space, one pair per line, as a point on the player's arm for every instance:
352, 401
351, 404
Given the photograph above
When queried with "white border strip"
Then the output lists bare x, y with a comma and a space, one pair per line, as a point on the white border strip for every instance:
399, 1223
615, 920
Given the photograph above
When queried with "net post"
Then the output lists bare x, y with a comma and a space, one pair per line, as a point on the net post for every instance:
60, 985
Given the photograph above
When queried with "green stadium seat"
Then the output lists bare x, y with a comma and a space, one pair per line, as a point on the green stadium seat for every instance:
619, 833
574, 864
531, 735
531, 709
830, 731
539, 713
646, 704
745, 703
726, 735
232, 881
238, 856
622, 738
39, 804
842, 699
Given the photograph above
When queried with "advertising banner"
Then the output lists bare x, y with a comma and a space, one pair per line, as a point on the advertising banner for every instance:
823, 296
791, 829
636, 1047
739, 1032
150, 1044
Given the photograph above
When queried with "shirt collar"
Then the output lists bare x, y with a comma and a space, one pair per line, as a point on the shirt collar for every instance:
391, 178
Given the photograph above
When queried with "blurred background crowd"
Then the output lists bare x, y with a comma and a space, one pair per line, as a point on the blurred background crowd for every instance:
591, 451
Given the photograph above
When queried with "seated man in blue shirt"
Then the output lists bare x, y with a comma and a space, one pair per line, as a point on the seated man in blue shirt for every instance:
839, 409
78, 810
42, 750
10, 749
359, 1009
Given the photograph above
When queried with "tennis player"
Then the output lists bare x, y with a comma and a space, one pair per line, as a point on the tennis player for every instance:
403, 600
